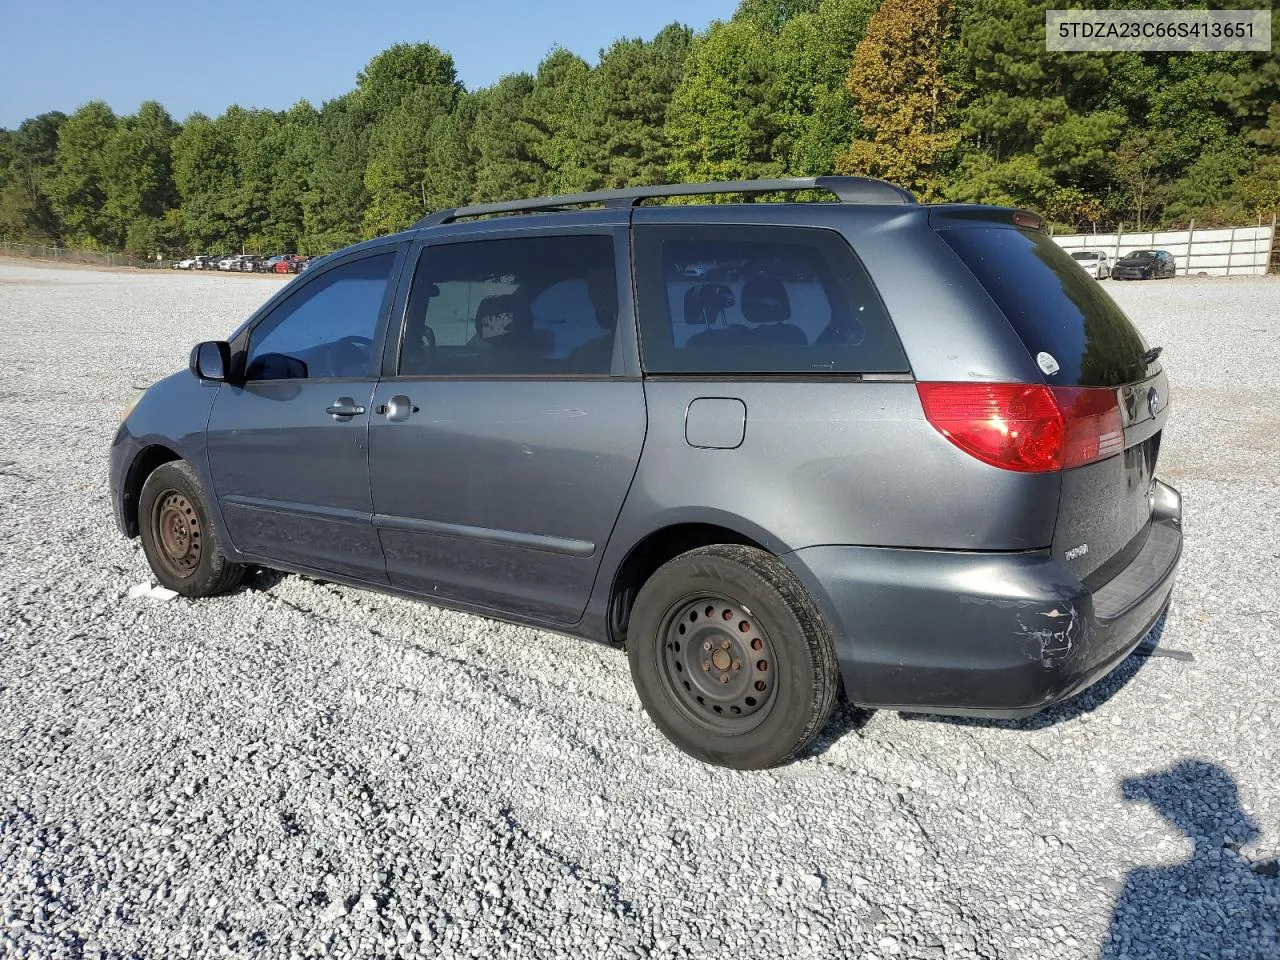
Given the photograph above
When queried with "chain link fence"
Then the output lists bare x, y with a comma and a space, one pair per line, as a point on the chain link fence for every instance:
65, 255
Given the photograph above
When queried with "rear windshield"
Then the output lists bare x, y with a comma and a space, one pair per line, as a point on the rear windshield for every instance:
1056, 308
739, 299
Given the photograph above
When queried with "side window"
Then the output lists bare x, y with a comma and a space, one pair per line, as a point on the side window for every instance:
326, 329
520, 306
754, 299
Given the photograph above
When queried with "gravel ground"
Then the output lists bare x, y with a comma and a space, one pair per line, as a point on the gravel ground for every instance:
301, 769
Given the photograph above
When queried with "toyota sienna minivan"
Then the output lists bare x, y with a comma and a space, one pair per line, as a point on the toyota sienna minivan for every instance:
770, 449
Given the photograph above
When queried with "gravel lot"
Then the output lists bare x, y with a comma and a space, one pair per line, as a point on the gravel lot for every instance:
302, 769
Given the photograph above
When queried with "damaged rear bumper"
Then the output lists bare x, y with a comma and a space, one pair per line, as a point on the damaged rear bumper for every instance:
985, 634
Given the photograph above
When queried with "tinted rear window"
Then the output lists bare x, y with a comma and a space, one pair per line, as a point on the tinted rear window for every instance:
738, 299
1055, 307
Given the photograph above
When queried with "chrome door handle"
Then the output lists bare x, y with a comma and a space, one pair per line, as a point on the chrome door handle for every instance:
344, 408
397, 408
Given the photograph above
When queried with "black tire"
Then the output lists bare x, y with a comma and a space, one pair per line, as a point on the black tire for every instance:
178, 535
731, 658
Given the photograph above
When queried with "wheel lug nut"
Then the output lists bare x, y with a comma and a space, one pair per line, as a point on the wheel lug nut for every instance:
707, 645
737, 664
725, 645
706, 667
724, 678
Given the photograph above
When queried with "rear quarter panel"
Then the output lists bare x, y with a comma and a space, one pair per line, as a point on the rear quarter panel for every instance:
830, 462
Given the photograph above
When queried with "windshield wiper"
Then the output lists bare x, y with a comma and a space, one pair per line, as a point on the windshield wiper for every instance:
1151, 355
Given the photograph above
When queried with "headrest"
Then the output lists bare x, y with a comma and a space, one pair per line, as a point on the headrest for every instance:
704, 303
765, 301
502, 303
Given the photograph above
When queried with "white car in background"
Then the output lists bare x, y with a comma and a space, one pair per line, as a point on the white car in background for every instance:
1094, 263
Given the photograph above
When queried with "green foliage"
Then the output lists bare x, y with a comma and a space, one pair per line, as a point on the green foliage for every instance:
78, 187
721, 122
629, 102
400, 71
28, 157
772, 15
815, 112
557, 112
138, 177
1140, 138
504, 137
958, 99
334, 203
206, 174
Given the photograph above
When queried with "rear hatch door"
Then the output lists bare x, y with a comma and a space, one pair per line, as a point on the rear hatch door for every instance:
1079, 337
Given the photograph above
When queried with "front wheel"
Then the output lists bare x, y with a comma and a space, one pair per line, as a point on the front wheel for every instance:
178, 536
731, 658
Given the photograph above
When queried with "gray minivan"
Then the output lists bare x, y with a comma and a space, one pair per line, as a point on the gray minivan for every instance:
768, 448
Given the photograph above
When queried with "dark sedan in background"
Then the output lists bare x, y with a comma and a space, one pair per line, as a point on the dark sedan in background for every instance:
1144, 265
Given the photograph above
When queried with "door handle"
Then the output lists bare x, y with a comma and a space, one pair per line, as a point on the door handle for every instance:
397, 408
343, 409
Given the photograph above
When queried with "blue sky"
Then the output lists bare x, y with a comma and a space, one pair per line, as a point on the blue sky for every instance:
208, 54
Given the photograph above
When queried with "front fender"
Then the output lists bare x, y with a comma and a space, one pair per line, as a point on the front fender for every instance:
171, 416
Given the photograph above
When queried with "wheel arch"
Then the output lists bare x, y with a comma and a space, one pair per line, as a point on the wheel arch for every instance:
149, 458
657, 547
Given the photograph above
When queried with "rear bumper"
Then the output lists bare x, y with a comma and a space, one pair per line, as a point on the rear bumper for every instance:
985, 634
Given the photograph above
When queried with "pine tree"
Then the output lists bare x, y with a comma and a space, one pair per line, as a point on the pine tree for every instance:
899, 88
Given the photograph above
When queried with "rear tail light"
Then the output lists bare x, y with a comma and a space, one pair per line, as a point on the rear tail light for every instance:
1031, 428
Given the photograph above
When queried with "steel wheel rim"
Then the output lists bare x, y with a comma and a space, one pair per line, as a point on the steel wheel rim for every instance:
177, 533
717, 663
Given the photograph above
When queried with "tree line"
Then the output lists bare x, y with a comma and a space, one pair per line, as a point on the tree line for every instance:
955, 99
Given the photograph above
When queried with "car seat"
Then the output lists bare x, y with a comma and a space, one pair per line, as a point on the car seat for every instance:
596, 355
765, 303
705, 305
521, 338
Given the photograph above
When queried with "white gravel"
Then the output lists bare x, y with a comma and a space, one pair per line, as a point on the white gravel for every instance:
302, 769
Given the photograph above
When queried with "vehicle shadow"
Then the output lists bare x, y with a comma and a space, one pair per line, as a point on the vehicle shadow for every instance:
1216, 903
845, 718
262, 578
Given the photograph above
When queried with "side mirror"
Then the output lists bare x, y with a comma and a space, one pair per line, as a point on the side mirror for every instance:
211, 360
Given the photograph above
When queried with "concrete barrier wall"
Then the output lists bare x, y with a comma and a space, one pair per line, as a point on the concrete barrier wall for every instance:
1223, 251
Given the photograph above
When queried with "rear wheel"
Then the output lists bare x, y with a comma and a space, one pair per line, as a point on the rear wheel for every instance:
731, 658
178, 537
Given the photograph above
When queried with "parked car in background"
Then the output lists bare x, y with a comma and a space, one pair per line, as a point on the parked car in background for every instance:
231, 262
1094, 263
249, 263
1144, 265
813, 484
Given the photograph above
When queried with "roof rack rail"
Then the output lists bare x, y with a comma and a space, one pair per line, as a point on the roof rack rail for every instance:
846, 189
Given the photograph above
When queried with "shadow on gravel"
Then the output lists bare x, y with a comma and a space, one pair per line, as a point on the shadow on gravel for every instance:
846, 718
1217, 903
1072, 709
262, 578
